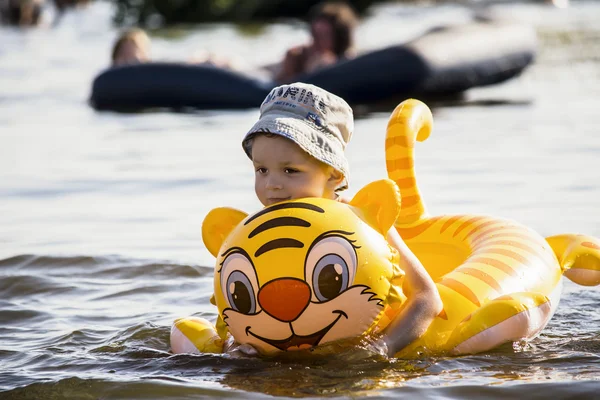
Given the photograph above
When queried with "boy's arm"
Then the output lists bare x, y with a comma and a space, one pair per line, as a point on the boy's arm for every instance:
423, 302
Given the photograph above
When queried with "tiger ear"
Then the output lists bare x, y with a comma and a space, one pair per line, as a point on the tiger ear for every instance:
217, 225
380, 203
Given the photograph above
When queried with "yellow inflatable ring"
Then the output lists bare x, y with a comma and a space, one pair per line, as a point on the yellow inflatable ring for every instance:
499, 281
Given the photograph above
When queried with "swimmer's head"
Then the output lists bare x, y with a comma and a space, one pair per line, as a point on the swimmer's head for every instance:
132, 47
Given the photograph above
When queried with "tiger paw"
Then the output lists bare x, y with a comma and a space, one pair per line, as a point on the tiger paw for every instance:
505, 319
195, 335
579, 257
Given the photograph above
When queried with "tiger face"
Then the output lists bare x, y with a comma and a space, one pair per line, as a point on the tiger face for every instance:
301, 273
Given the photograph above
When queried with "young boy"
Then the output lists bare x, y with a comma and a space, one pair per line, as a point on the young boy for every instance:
297, 148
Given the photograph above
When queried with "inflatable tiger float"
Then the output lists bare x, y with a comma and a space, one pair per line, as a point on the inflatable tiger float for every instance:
304, 273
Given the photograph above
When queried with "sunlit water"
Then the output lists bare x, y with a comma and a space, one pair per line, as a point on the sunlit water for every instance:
100, 213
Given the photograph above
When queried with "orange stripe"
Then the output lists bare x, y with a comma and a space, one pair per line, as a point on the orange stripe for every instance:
443, 314
400, 140
390, 312
406, 183
494, 263
504, 233
409, 233
484, 225
509, 253
400, 163
467, 223
590, 245
462, 289
410, 201
486, 233
479, 274
450, 221
414, 216
513, 243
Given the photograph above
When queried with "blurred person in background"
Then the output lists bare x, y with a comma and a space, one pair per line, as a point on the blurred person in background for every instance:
21, 12
131, 47
33, 12
62, 5
332, 26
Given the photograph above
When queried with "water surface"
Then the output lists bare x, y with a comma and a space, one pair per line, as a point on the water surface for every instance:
100, 246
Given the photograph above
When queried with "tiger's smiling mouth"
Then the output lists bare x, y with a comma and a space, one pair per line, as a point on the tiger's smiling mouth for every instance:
299, 342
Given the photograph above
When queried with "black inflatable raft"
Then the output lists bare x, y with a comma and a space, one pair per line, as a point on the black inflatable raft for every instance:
443, 61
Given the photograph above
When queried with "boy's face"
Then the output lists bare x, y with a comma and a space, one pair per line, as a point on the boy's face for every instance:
283, 171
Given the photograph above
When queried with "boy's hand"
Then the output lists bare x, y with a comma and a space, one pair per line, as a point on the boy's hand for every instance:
343, 200
239, 349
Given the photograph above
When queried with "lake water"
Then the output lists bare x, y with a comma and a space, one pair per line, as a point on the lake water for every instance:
100, 213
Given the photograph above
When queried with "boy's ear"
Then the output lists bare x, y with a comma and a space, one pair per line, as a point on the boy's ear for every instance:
335, 178
380, 202
217, 225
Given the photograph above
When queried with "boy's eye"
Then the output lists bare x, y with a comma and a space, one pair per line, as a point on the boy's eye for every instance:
261, 170
290, 170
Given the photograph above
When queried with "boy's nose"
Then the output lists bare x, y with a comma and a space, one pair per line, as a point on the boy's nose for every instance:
273, 184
